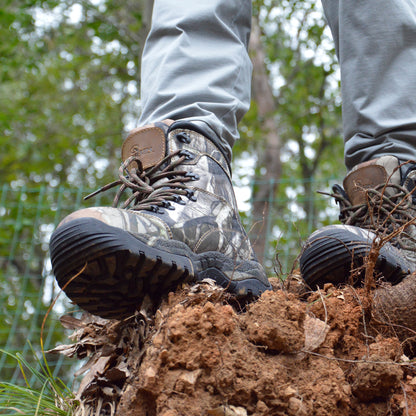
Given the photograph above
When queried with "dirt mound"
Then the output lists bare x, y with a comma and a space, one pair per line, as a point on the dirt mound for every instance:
286, 354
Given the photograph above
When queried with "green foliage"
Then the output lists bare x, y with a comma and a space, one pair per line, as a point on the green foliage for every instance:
68, 87
44, 396
69, 73
27, 288
302, 64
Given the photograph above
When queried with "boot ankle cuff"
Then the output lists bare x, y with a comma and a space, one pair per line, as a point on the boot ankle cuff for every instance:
205, 131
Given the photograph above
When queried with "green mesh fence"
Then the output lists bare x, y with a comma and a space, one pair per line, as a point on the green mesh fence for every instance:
27, 288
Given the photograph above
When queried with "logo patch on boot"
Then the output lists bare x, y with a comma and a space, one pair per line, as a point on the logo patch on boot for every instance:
147, 143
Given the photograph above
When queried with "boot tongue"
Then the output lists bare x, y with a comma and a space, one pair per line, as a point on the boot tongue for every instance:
148, 143
369, 175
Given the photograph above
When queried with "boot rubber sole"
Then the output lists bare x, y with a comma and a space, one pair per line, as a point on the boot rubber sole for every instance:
332, 253
122, 268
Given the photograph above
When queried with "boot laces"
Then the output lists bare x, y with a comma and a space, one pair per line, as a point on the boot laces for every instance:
381, 213
152, 188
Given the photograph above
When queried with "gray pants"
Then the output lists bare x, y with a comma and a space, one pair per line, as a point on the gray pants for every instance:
195, 67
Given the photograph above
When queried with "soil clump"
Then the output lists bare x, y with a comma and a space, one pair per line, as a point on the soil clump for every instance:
291, 352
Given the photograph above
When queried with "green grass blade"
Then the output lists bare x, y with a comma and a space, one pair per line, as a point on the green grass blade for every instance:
53, 398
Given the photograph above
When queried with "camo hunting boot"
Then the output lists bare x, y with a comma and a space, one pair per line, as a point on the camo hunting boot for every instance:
377, 209
179, 223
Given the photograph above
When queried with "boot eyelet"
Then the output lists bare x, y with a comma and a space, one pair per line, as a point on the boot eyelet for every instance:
187, 154
168, 205
190, 195
179, 200
155, 209
183, 137
193, 176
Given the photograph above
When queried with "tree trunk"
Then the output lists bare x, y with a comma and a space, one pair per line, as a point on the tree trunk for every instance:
269, 159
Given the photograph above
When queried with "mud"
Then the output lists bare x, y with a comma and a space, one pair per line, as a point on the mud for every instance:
288, 353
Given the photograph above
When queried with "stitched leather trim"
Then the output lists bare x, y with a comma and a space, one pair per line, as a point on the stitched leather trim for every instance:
361, 179
148, 143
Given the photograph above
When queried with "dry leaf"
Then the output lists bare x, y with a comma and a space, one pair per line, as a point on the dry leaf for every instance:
67, 350
69, 322
315, 333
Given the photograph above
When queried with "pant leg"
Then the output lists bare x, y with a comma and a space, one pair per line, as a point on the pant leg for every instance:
375, 42
195, 65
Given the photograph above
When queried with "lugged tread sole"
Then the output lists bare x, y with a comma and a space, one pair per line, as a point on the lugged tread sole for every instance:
331, 253
121, 268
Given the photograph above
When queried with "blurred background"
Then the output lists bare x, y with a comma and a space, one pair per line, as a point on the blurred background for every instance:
69, 93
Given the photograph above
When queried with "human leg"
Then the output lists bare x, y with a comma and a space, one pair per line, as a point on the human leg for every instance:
181, 222
196, 67
376, 47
